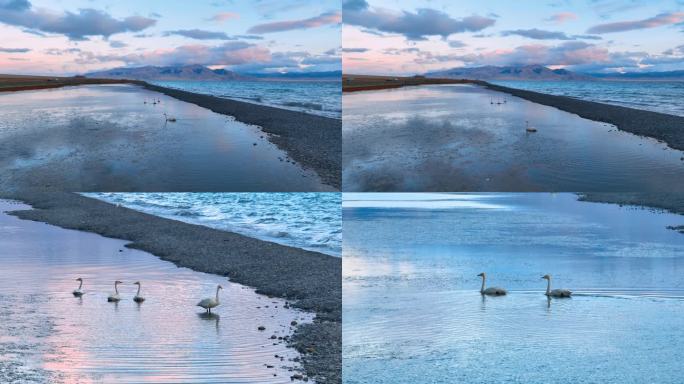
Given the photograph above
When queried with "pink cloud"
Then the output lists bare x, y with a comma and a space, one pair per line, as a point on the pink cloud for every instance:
224, 16
326, 18
667, 18
562, 17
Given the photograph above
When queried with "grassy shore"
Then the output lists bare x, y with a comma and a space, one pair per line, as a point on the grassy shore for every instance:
13, 83
354, 83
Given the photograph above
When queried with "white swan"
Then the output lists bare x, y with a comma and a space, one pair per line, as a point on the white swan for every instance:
169, 118
78, 292
114, 297
491, 291
137, 298
210, 303
555, 292
528, 128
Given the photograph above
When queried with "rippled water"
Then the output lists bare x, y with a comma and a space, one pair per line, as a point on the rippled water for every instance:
656, 96
106, 138
47, 335
315, 97
450, 138
310, 221
413, 313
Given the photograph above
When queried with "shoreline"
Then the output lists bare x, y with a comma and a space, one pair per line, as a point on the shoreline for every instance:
311, 281
672, 202
311, 140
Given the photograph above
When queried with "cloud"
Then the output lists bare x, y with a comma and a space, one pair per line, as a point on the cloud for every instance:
199, 34
457, 44
117, 44
224, 16
327, 18
75, 25
355, 50
667, 18
416, 25
537, 34
560, 18
14, 50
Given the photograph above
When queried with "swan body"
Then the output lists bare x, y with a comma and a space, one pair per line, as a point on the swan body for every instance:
114, 297
169, 118
528, 128
491, 291
210, 303
78, 292
555, 292
137, 298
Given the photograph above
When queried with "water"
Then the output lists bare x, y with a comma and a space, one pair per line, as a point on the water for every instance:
656, 96
314, 97
450, 138
413, 313
310, 221
105, 138
47, 335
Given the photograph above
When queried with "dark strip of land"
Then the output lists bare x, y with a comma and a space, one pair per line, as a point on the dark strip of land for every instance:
313, 141
660, 126
668, 201
309, 280
354, 83
13, 83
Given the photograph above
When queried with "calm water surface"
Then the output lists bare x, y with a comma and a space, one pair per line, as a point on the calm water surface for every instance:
304, 220
450, 138
105, 138
315, 97
413, 313
656, 96
47, 335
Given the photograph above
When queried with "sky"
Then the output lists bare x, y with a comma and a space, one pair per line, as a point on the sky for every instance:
67, 37
405, 37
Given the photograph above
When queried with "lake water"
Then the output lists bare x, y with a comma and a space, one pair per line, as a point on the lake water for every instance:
450, 138
314, 97
49, 336
310, 221
413, 312
656, 96
107, 138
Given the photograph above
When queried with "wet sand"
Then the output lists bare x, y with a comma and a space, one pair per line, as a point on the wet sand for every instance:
660, 126
314, 141
309, 280
114, 138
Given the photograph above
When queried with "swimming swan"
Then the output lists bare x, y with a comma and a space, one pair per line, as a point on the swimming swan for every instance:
78, 292
555, 292
138, 298
492, 291
169, 118
210, 303
114, 297
528, 128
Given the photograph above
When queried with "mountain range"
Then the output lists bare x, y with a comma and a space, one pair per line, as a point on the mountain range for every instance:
524, 72
203, 73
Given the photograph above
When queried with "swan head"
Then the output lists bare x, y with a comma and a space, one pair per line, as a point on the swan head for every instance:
546, 277
220, 287
118, 282
79, 279
136, 283
481, 274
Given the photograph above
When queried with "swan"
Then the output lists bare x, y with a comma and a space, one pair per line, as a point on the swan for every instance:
78, 292
137, 298
528, 128
114, 297
210, 303
169, 118
555, 292
491, 291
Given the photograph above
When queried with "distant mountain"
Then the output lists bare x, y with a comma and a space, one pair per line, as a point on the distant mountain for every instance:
171, 73
653, 76
329, 75
524, 72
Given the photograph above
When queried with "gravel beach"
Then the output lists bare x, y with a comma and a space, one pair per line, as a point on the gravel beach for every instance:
660, 126
309, 280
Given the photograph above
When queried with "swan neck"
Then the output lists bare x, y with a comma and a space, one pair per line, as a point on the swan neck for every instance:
80, 284
116, 288
548, 286
138, 294
483, 284
217, 292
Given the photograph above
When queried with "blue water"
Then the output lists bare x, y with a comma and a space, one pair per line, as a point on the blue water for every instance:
303, 220
316, 97
657, 96
413, 313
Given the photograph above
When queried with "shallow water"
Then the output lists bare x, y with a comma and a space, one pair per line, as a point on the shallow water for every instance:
314, 97
105, 138
413, 313
47, 335
310, 221
656, 96
450, 138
